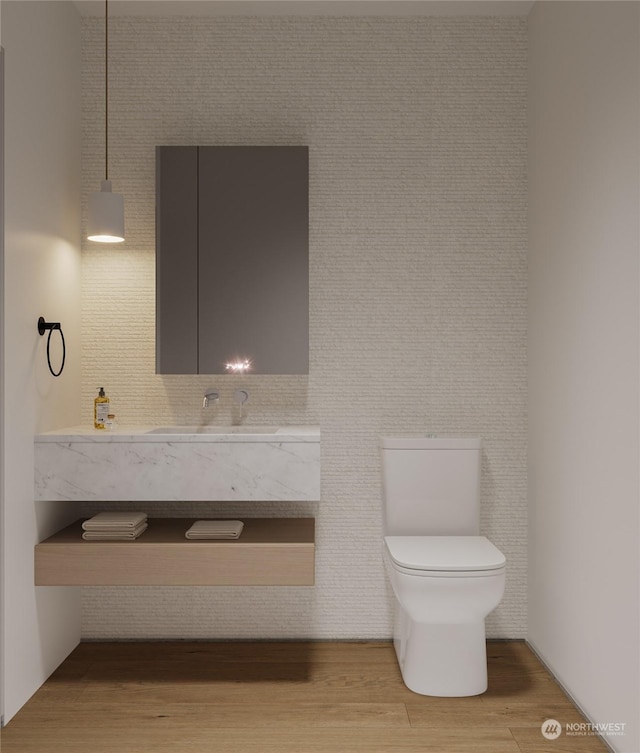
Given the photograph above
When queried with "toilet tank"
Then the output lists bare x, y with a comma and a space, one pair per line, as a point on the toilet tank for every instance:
431, 486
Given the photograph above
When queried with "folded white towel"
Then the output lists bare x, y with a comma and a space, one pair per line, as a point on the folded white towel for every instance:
119, 521
215, 529
122, 535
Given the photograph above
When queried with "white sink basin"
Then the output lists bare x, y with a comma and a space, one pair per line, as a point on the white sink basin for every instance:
222, 430
238, 433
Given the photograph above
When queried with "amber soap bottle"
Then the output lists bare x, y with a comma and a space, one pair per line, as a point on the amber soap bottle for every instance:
100, 409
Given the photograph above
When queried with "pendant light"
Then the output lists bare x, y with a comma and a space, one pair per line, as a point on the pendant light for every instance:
105, 222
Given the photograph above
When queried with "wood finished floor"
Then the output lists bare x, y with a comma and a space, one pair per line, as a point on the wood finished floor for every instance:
283, 698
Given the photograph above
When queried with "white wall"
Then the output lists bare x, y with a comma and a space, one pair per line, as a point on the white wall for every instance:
584, 204
417, 144
1, 372
41, 277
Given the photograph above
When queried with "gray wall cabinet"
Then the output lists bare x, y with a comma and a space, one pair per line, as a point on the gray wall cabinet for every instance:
232, 263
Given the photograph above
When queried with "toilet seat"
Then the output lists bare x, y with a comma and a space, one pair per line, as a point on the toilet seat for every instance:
444, 555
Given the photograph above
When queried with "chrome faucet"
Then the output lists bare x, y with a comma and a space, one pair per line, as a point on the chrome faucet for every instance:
213, 395
241, 397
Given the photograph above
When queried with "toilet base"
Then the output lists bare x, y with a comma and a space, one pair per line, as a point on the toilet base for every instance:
446, 660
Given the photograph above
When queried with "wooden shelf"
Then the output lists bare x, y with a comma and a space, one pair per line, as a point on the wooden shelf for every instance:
270, 552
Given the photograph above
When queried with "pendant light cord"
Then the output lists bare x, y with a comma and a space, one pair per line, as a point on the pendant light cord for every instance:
106, 89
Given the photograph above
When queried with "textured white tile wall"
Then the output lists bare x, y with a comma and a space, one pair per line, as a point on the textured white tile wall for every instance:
417, 138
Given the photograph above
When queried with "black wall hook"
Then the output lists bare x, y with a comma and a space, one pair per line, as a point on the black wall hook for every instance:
43, 326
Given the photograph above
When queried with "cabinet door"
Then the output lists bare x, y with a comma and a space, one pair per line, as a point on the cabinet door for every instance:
253, 269
177, 260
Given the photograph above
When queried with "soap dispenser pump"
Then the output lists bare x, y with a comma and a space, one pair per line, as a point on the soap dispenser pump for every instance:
100, 409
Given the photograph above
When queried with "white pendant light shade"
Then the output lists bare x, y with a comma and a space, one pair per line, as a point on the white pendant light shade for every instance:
105, 221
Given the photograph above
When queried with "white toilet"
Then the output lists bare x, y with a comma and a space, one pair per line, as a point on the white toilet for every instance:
445, 576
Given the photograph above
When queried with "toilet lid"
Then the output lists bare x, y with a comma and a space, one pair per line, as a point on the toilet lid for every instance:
451, 553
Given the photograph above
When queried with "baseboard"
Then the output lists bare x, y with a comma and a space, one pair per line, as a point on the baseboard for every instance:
243, 640
542, 661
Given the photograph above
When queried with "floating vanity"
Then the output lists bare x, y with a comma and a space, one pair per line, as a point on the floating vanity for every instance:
179, 464
270, 552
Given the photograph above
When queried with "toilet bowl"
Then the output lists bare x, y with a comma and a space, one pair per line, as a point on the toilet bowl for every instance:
446, 578
444, 588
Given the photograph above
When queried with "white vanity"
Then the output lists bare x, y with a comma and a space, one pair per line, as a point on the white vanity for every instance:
180, 464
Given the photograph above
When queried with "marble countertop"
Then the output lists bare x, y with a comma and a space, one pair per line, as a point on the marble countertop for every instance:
170, 434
